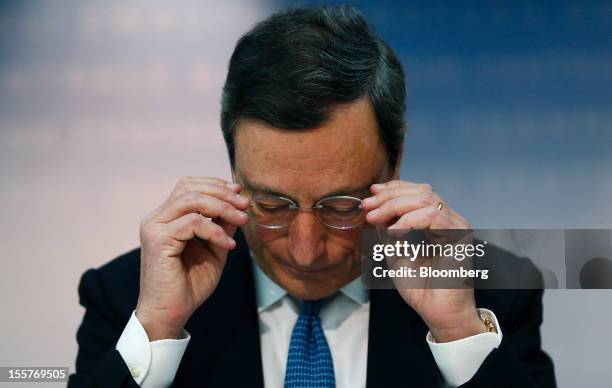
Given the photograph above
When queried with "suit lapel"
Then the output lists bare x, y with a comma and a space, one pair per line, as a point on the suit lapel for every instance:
225, 347
240, 364
398, 354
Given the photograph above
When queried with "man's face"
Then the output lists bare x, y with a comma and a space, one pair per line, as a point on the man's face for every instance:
342, 157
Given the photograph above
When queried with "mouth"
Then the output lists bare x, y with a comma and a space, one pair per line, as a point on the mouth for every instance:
307, 272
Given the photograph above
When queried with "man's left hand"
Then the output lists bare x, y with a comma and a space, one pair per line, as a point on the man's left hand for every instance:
450, 314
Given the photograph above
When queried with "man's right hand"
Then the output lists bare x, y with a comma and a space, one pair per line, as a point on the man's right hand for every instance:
184, 246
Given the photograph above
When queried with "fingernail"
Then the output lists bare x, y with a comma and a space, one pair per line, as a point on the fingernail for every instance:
242, 198
232, 185
230, 241
374, 212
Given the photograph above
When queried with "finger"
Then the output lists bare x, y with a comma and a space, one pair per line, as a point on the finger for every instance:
234, 186
383, 195
224, 192
397, 188
218, 181
209, 206
202, 179
194, 225
229, 228
424, 218
186, 180
377, 187
398, 206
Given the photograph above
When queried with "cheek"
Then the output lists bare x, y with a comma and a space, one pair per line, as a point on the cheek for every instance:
272, 240
343, 245
268, 236
262, 239
277, 247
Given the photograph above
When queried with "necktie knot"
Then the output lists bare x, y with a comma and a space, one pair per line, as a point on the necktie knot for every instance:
310, 307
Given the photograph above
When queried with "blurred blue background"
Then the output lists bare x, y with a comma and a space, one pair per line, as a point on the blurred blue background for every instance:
509, 106
105, 104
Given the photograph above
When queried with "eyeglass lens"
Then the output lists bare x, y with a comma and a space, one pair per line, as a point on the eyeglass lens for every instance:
340, 212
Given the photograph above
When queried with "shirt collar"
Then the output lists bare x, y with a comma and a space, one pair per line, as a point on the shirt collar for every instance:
267, 292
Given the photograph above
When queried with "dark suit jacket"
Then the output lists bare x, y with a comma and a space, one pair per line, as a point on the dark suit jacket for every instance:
224, 350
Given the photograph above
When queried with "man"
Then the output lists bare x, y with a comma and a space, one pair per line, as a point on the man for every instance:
256, 281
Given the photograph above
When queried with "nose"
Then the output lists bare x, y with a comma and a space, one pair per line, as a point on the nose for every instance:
306, 239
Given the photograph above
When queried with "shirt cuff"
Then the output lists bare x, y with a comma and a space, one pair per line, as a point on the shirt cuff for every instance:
152, 364
459, 360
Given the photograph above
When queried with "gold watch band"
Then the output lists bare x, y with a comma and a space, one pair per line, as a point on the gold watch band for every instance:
486, 319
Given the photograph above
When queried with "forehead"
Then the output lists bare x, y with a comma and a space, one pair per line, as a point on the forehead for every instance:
344, 152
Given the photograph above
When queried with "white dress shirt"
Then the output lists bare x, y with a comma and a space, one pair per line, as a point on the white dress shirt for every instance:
345, 319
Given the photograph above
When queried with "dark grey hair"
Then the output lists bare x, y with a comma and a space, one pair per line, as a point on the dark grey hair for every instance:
291, 69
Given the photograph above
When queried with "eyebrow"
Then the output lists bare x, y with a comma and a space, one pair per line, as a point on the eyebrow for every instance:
259, 188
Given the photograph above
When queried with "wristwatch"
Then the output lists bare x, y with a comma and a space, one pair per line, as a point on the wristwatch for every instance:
488, 321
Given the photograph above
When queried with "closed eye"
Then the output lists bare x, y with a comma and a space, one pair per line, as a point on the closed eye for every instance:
344, 209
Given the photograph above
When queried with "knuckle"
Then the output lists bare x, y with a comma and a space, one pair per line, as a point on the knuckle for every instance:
431, 197
194, 219
425, 199
219, 190
190, 198
225, 207
228, 192
184, 180
214, 230
392, 183
222, 191
426, 188
219, 232
187, 187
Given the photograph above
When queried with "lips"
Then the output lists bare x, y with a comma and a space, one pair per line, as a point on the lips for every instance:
308, 271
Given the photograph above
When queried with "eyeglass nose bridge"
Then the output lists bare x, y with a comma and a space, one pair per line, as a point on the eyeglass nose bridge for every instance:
307, 209
312, 209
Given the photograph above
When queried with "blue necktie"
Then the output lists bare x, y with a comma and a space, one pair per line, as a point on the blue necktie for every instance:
309, 363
